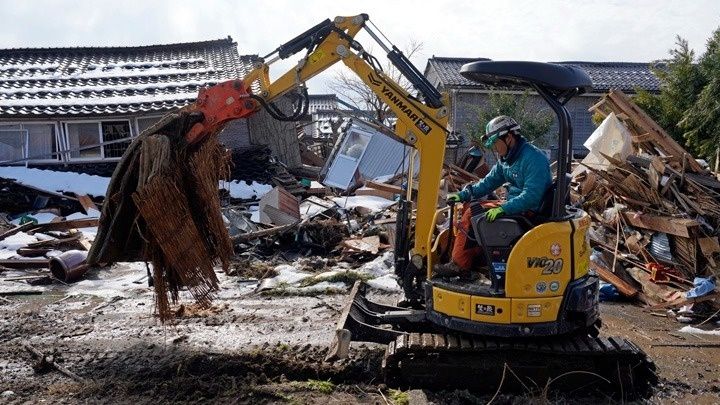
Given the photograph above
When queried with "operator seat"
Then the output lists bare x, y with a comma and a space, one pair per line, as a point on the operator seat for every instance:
498, 238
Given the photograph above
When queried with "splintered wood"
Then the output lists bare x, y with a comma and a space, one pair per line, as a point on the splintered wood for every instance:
163, 206
656, 212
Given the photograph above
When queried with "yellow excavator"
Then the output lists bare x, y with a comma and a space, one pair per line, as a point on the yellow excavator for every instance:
539, 317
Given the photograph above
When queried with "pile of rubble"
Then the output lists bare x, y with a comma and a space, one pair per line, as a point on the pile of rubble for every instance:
655, 210
44, 234
292, 235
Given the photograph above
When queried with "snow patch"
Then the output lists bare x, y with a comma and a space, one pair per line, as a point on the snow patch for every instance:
698, 331
40, 217
78, 183
387, 282
119, 281
17, 241
371, 202
380, 266
134, 87
241, 189
150, 98
94, 74
289, 274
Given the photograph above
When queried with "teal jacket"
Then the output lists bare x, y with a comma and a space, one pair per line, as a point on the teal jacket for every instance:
526, 169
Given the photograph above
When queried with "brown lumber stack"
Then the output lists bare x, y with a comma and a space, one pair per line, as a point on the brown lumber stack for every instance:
656, 214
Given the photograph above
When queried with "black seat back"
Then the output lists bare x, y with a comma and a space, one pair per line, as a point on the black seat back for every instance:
545, 210
497, 240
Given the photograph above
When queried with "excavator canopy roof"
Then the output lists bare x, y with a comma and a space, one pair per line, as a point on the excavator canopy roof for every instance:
557, 78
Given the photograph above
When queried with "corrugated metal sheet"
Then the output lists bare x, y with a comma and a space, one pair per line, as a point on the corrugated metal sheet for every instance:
382, 156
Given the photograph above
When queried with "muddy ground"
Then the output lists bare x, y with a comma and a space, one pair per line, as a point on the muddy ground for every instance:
251, 348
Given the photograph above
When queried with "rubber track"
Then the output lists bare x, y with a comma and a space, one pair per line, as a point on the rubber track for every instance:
479, 363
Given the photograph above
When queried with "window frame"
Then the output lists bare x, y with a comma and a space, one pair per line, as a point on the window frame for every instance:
70, 158
26, 153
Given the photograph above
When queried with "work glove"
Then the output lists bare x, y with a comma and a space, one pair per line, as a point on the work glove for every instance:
493, 213
453, 198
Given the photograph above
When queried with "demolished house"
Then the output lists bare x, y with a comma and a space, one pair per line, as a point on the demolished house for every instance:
655, 210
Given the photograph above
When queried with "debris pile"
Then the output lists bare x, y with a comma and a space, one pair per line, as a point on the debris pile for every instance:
656, 213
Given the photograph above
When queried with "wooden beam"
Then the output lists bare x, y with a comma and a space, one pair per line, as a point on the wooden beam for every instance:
389, 188
674, 226
642, 120
87, 203
25, 263
625, 288
65, 225
20, 228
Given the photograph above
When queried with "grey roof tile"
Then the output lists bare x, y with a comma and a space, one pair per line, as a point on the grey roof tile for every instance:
113, 80
625, 76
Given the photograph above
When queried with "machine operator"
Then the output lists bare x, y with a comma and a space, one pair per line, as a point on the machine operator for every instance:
521, 167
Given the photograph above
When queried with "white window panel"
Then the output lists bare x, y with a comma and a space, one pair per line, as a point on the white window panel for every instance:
144, 123
83, 134
33, 141
12, 144
41, 142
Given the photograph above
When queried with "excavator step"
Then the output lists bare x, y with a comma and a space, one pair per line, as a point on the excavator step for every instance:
578, 364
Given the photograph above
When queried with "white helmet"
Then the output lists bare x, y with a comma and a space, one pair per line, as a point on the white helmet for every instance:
498, 127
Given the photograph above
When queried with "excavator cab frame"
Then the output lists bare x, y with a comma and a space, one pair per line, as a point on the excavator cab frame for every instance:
563, 303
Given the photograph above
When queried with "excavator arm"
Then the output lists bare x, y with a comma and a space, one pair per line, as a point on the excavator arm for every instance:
420, 123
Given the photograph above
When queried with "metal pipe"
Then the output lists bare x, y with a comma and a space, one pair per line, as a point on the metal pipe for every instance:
564, 157
377, 39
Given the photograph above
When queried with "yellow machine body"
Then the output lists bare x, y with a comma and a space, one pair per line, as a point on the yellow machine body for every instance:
542, 264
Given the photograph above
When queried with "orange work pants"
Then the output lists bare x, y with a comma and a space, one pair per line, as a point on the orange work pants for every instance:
466, 251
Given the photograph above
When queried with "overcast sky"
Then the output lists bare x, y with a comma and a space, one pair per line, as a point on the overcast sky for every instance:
542, 30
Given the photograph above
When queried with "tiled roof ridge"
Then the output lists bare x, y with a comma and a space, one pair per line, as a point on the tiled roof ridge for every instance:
583, 62
102, 49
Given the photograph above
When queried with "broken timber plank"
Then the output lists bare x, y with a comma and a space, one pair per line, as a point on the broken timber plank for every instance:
55, 242
262, 233
709, 245
25, 263
87, 203
43, 359
384, 187
20, 228
625, 288
675, 226
65, 225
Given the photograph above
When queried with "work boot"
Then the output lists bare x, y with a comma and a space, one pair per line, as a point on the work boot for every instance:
449, 270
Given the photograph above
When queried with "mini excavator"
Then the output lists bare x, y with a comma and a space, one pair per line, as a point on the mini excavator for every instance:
539, 318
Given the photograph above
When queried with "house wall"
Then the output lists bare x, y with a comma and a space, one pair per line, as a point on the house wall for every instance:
279, 136
236, 134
